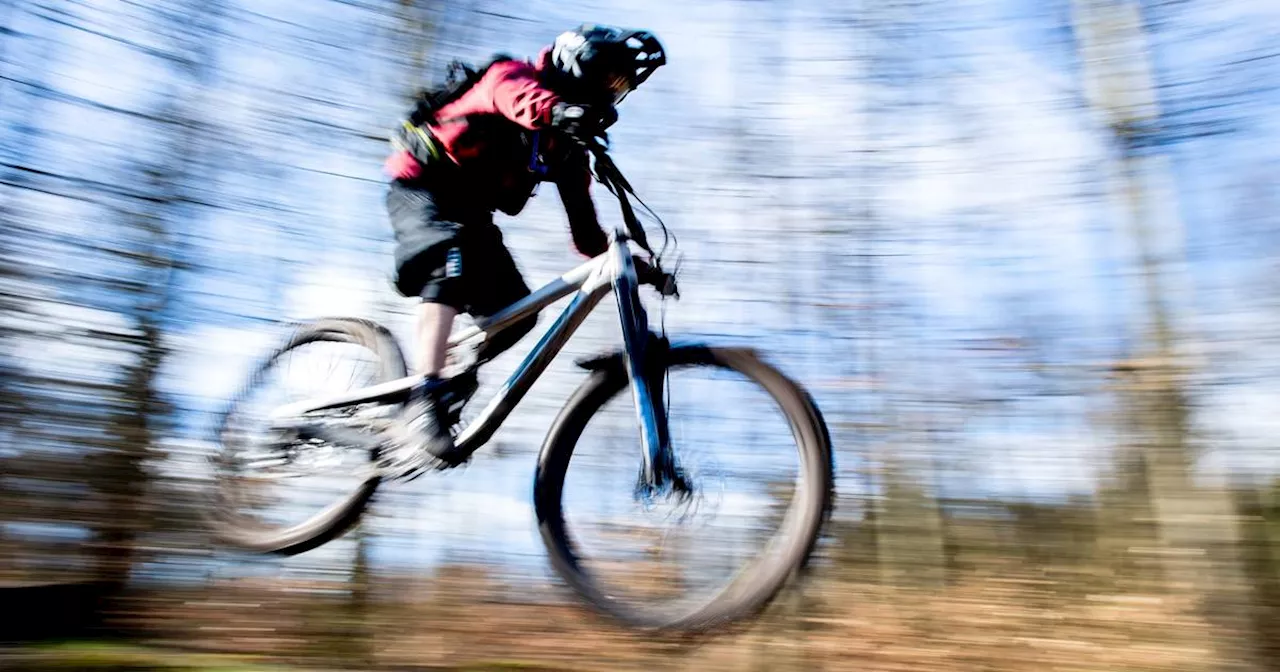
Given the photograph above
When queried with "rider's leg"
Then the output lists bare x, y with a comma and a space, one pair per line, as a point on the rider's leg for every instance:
425, 414
500, 286
424, 237
435, 321
428, 418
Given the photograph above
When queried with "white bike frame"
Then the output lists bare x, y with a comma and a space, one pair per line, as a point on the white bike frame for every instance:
615, 271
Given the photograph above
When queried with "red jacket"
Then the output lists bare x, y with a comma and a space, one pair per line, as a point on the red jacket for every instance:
485, 132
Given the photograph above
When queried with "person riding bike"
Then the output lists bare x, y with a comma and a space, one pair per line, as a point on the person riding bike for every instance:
521, 122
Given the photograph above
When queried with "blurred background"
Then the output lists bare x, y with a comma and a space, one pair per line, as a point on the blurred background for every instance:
1023, 253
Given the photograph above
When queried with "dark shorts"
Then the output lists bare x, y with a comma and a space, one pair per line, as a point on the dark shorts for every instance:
482, 279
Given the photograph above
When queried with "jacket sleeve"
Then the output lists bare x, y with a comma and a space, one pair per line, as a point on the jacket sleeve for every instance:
575, 193
516, 93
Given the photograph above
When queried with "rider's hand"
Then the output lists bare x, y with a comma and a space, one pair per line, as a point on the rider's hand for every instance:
580, 121
608, 116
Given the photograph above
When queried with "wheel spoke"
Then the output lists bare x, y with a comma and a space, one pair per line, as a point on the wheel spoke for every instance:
296, 479
651, 557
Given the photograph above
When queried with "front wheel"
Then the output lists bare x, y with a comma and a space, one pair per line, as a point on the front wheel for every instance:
588, 511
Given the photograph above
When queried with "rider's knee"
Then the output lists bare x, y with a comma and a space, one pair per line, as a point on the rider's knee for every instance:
445, 291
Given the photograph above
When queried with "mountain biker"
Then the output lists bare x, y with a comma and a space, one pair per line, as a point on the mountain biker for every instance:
487, 150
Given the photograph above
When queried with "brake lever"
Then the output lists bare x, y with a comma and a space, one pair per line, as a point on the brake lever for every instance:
660, 280
668, 287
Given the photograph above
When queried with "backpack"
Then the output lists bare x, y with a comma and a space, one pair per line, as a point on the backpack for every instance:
411, 135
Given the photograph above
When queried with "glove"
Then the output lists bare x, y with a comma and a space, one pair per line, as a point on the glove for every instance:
581, 121
608, 117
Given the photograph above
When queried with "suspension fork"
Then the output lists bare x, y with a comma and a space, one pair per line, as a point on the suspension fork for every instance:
645, 369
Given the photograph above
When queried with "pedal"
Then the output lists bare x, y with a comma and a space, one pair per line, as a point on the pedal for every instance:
413, 465
402, 460
405, 468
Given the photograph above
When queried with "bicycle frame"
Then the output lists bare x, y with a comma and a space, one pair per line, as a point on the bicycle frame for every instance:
614, 270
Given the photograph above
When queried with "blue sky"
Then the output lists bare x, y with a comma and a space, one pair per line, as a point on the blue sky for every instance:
976, 156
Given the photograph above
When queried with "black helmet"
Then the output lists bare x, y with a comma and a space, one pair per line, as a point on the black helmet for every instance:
605, 60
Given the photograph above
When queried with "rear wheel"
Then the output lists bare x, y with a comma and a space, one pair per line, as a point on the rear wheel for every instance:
287, 489
588, 512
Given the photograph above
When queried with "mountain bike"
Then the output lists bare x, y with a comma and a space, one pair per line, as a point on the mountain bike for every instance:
665, 475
